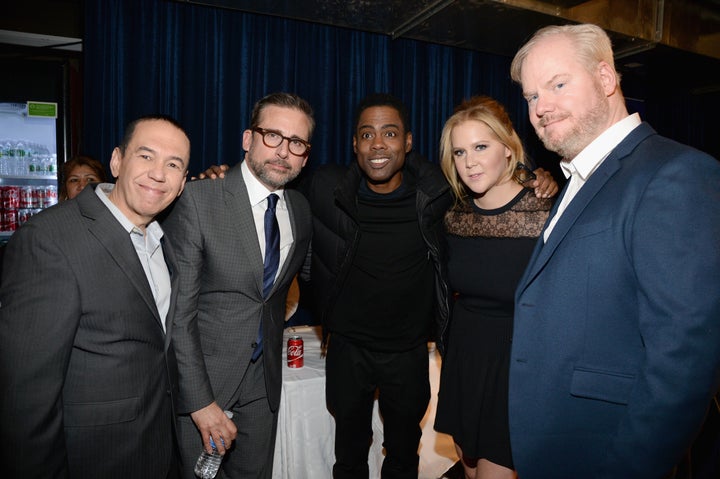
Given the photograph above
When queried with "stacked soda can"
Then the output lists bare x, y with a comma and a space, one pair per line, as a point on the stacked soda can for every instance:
19, 203
38, 196
9, 206
295, 352
51, 196
24, 214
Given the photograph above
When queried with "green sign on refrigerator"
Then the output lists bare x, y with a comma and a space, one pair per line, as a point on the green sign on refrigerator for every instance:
41, 109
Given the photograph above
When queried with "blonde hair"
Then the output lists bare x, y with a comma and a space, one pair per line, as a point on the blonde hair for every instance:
592, 46
492, 114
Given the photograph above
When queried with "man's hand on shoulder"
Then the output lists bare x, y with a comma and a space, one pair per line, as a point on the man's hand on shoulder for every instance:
213, 172
544, 185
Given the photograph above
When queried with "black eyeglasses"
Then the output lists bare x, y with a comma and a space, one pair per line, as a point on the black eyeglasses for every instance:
523, 174
273, 139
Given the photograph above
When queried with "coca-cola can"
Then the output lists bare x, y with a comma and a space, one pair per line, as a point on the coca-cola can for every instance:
23, 215
295, 352
39, 194
9, 197
8, 220
51, 196
26, 197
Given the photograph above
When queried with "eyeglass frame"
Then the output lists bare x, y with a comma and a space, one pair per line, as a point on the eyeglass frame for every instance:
264, 131
522, 168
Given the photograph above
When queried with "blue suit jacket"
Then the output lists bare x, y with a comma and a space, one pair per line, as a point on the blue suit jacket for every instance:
616, 346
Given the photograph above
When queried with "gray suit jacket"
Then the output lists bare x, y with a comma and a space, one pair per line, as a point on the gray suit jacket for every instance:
221, 302
85, 367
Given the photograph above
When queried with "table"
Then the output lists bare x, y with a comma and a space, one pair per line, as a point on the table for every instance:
306, 430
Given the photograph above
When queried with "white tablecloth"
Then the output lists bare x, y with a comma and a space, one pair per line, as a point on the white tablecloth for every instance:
306, 430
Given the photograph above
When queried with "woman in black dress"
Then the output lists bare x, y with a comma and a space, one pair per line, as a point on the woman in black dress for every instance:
491, 232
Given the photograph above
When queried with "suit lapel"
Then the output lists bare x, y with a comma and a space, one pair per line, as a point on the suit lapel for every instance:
237, 202
169, 255
116, 241
543, 252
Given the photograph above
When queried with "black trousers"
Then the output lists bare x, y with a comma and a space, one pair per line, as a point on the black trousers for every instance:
354, 374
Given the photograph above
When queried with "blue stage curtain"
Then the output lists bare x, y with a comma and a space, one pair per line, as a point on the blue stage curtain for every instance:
207, 66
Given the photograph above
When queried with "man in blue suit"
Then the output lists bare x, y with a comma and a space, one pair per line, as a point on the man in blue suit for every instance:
616, 346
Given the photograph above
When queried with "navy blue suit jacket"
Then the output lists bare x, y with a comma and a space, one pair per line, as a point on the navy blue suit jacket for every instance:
616, 346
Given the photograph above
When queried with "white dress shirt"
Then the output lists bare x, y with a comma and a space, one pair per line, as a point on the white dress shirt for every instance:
258, 194
588, 160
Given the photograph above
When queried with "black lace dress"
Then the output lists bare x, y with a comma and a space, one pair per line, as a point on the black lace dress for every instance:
488, 252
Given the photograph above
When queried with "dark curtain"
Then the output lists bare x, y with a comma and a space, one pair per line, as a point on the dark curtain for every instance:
207, 66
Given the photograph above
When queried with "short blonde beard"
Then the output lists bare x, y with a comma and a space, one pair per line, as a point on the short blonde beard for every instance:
587, 128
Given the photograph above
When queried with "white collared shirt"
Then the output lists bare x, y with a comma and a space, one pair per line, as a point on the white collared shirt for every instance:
588, 160
258, 194
149, 250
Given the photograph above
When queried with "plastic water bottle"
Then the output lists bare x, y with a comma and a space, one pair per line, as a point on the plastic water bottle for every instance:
208, 465
8, 148
4, 160
20, 159
31, 160
43, 161
50, 165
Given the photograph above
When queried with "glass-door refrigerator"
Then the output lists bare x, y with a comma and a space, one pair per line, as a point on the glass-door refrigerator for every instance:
28, 162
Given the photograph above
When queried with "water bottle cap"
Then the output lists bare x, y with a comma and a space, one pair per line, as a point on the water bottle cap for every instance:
212, 443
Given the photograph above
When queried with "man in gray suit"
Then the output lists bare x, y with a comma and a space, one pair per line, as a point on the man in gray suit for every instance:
229, 324
86, 296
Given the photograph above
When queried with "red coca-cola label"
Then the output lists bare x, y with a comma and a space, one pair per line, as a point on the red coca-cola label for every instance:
23, 215
26, 197
8, 220
51, 196
38, 197
295, 352
9, 197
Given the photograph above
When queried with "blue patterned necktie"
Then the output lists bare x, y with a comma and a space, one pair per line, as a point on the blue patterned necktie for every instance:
272, 260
